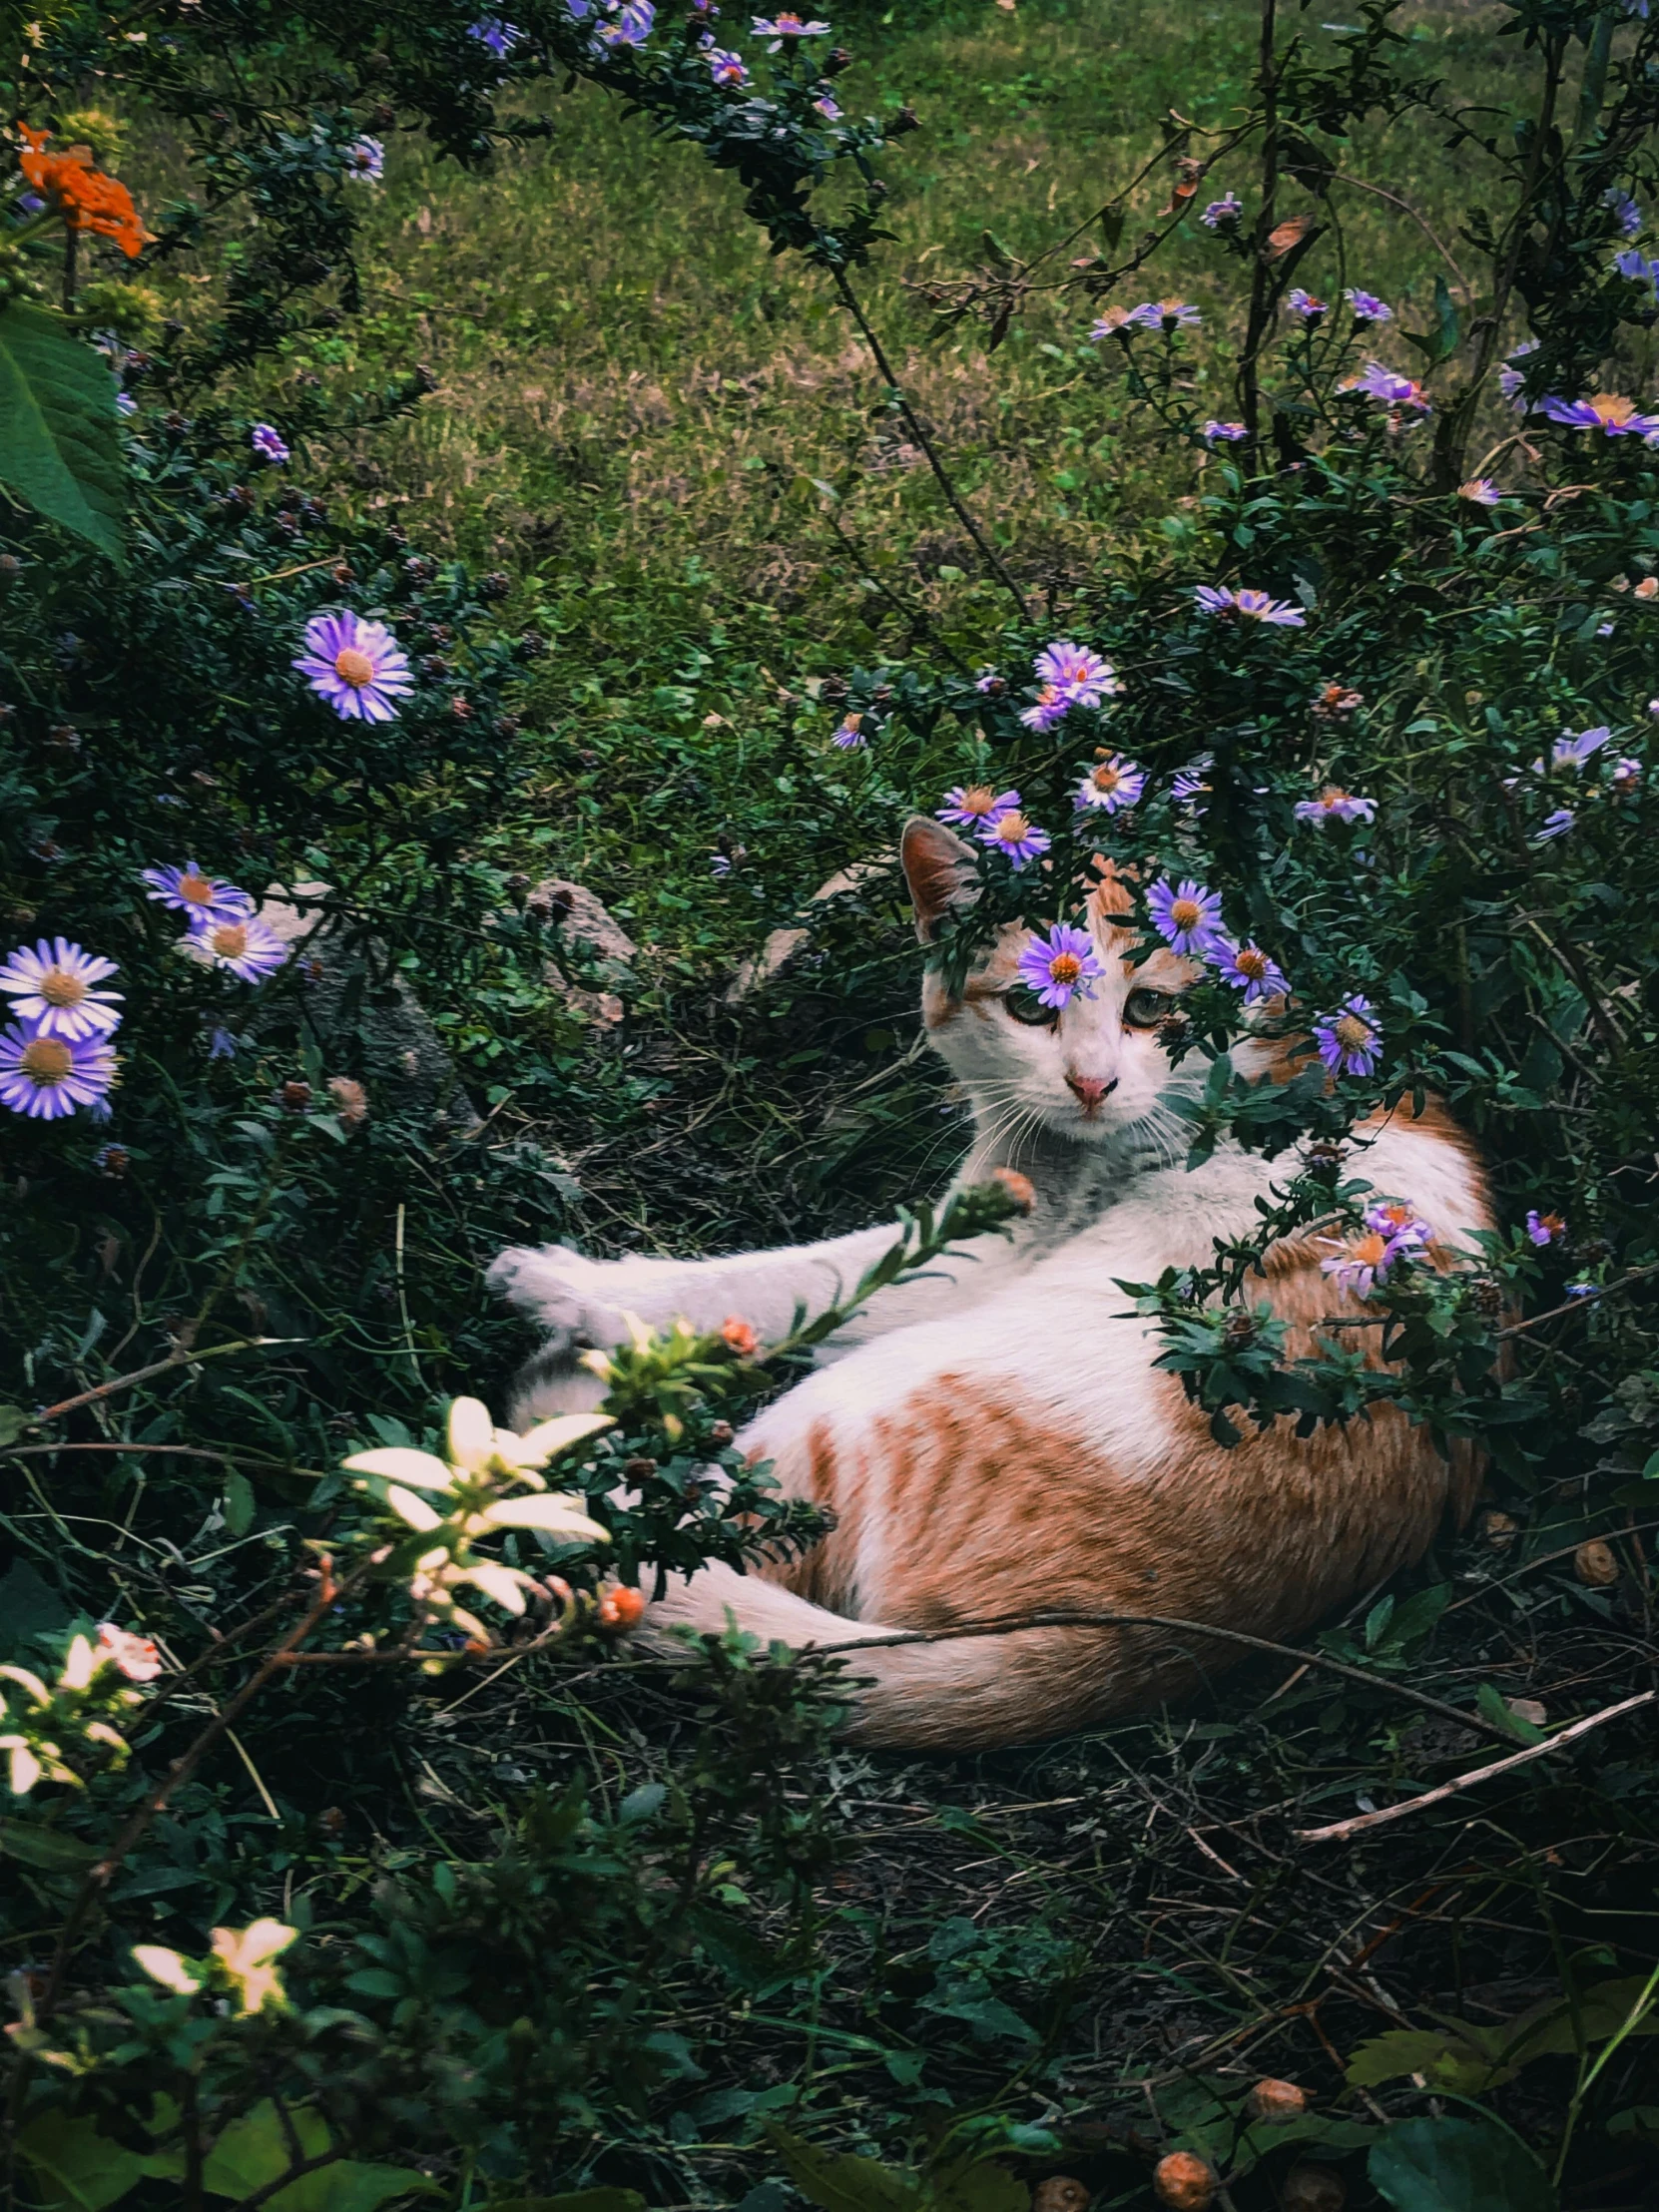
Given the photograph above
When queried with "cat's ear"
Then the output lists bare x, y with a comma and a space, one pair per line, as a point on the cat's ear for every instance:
939, 870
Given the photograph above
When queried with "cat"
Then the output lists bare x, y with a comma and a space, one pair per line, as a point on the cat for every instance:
995, 1439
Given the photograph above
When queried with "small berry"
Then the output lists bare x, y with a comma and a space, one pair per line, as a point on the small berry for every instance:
1185, 2182
1597, 1564
1276, 2100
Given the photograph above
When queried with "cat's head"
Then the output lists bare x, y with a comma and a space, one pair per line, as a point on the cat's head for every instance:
1092, 1071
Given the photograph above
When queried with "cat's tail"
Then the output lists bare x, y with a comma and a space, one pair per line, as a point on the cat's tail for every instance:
961, 1693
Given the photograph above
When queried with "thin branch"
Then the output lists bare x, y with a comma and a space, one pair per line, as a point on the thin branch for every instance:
1013, 1623
1339, 1829
174, 1360
1341, 177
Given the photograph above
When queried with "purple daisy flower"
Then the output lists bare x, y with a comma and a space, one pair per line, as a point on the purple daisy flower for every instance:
269, 443
1110, 786
777, 28
1015, 835
189, 891
988, 682
1573, 749
1607, 412
356, 667
1479, 491
971, 805
1347, 1044
1625, 211
1387, 385
365, 158
633, 26
1367, 308
1063, 964
47, 1077
1545, 1229
500, 37
1223, 433
850, 735
1640, 267
1406, 1232
1165, 314
1335, 805
727, 68
1051, 707
1221, 213
1554, 826
1213, 599
245, 946
52, 990
1511, 379
1627, 774
1304, 303
1277, 614
1360, 1265
1083, 675
828, 106
1251, 971
1114, 323
720, 866
1189, 784
1187, 917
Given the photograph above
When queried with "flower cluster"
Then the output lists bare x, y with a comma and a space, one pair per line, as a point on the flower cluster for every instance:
474, 1486
241, 1967
57, 1054
1390, 1233
1187, 916
995, 818
76, 1709
83, 197
223, 930
1068, 676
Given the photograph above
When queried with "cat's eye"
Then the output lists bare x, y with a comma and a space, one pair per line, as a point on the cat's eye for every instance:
1145, 1009
1025, 1006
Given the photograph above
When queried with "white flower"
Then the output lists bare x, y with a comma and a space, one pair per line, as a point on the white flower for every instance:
245, 1955
167, 1968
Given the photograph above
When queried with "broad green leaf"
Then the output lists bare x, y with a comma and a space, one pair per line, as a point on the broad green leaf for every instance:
238, 1504
13, 1422
1457, 2165
1456, 2055
60, 448
978, 2186
75, 2168
46, 1848
253, 2151
839, 2183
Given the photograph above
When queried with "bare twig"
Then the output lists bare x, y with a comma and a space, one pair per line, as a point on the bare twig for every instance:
186, 1359
1340, 1829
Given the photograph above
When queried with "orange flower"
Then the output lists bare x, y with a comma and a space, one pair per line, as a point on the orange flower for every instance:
85, 197
739, 1336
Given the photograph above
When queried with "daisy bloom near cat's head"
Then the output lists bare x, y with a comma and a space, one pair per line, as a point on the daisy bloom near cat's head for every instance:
1360, 1265
1109, 785
970, 806
1062, 963
356, 667
1186, 915
1348, 1042
1545, 1229
52, 989
47, 1077
1015, 835
1251, 971
1404, 1228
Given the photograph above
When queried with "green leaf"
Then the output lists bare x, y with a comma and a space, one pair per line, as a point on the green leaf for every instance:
1457, 2165
977, 2185
1456, 2057
1493, 1708
46, 1848
13, 1422
60, 448
238, 1504
75, 2168
843, 2184
1446, 314
576, 2200
255, 2151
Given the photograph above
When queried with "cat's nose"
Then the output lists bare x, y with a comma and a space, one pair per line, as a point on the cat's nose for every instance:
1089, 1091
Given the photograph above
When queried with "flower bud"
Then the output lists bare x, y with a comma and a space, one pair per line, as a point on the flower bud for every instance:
621, 1609
738, 1335
293, 1097
1019, 1187
1597, 1564
721, 1433
1277, 2101
1185, 2182
640, 1470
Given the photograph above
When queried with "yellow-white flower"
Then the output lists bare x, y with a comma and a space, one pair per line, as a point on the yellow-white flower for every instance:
480, 1457
245, 1955
167, 1968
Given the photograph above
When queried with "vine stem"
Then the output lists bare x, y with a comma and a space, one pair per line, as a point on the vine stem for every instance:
941, 476
1261, 278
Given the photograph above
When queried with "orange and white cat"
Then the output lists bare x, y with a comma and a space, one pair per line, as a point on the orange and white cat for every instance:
994, 1440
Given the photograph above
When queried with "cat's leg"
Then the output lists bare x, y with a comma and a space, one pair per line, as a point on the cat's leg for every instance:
581, 1301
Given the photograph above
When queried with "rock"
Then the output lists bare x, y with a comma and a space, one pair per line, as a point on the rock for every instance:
360, 1009
583, 923
782, 945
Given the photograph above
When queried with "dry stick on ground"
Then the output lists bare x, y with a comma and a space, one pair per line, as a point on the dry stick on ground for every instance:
1010, 1623
1339, 1829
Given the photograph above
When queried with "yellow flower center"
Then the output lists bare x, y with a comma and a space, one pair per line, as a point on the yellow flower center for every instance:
228, 941
1609, 407
1252, 963
197, 889
354, 667
1369, 1248
1011, 830
1106, 777
1351, 1033
1065, 968
47, 1060
59, 988
1186, 913
1331, 798
979, 798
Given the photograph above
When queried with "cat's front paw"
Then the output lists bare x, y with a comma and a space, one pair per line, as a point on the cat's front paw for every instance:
563, 1291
